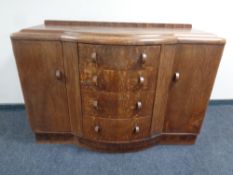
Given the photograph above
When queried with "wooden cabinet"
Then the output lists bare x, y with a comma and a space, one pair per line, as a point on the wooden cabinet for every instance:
116, 86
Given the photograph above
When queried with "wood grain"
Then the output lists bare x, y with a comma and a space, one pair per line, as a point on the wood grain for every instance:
117, 33
188, 97
117, 105
118, 81
70, 54
45, 96
165, 76
118, 57
116, 86
115, 130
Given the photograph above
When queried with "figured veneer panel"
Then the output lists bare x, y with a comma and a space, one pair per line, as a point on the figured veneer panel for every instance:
117, 105
115, 130
118, 57
118, 81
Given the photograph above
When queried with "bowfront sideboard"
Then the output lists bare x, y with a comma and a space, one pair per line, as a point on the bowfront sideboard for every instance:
116, 86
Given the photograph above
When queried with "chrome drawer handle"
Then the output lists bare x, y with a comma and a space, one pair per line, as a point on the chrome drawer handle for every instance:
141, 80
136, 129
139, 105
143, 58
97, 128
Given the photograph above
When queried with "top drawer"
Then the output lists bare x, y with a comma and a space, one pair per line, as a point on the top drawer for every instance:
118, 57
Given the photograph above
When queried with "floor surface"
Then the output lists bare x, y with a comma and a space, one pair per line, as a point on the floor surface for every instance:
212, 154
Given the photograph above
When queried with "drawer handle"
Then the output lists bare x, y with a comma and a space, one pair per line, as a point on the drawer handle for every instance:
94, 57
95, 80
58, 74
143, 58
97, 128
139, 105
177, 76
136, 129
141, 80
95, 104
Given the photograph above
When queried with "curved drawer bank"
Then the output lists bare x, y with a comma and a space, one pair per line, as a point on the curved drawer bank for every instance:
116, 87
163, 139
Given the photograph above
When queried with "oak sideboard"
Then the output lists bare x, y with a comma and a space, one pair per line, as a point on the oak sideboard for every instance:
113, 86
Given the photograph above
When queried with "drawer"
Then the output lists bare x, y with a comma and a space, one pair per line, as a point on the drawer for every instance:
118, 81
117, 105
118, 57
116, 129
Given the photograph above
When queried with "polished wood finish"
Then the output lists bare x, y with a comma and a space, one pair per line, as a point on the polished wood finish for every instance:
188, 97
118, 57
118, 81
70, 54
162, 90
119, 105
117, 33
116, 87
44, 90
112, 130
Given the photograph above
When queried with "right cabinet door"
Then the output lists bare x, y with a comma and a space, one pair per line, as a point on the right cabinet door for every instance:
188, 98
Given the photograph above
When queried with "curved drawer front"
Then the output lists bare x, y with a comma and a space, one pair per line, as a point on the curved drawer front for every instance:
118, 81
117, 105
102, 129
118, 57
118, 86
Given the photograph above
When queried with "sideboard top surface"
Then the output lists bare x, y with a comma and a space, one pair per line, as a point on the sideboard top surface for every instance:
117, 33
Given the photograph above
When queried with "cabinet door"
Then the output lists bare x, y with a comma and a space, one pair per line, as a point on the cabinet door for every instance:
188, 96
41, 72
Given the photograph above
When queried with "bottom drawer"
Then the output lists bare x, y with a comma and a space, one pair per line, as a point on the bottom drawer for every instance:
116, 129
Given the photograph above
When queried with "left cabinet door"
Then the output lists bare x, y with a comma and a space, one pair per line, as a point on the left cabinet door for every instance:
41, 71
